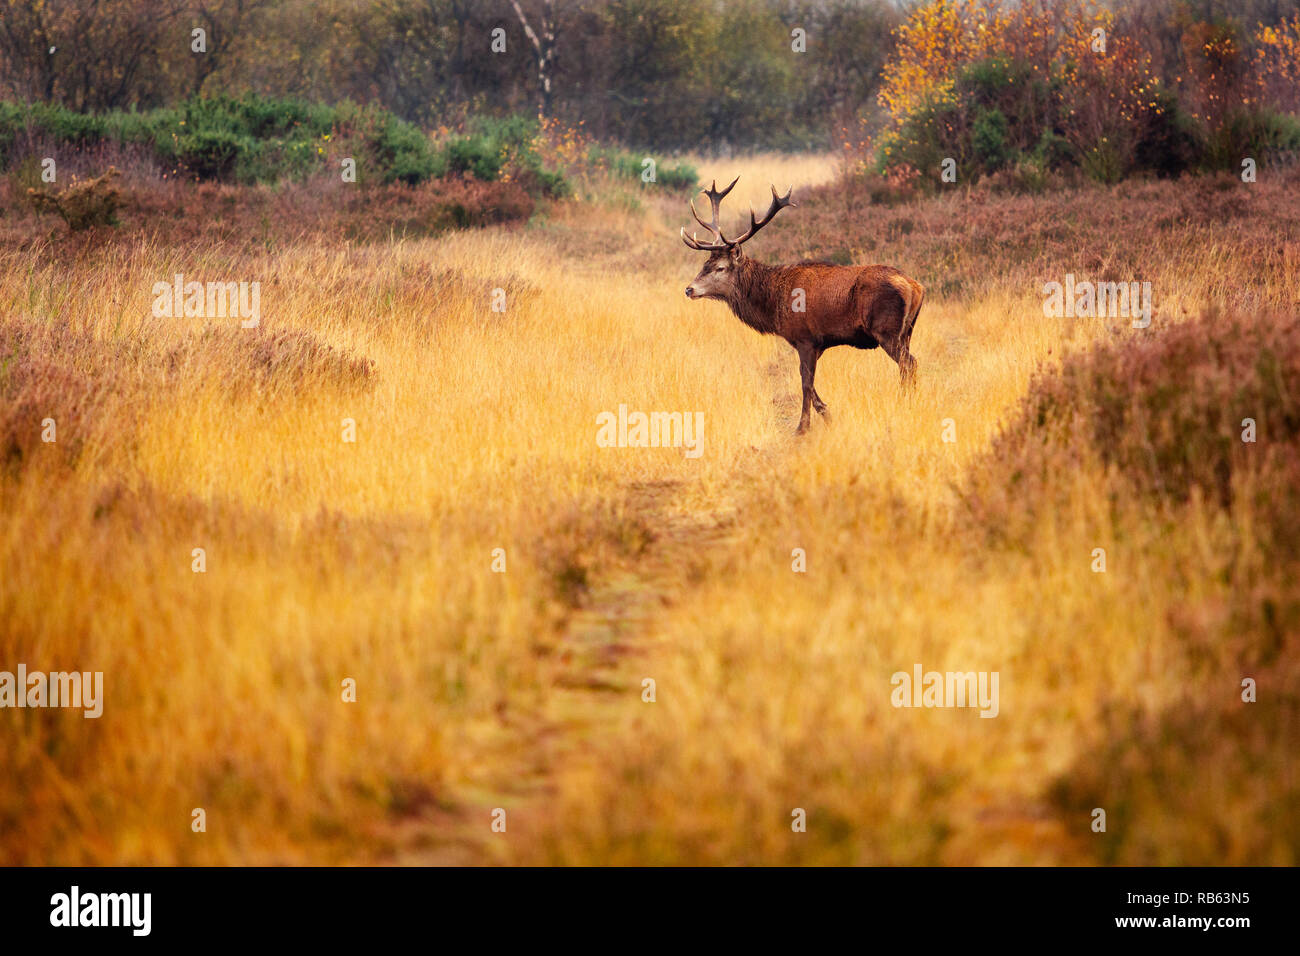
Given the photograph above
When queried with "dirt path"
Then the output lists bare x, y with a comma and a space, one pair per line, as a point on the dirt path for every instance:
611, 628
607, 629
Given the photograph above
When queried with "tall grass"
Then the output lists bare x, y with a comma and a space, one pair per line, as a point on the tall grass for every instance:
523, 690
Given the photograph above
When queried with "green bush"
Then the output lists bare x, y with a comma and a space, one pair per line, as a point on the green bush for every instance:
56, 122
211, 153
1023, 95
68, 126
989, 141
11, 116
1168, 142
1053, 151
1104, 162
682, 176
475, 155
253, 139
934, 132
1000, 114
248, 139
406, 155
626, 165
1260, 134
494, 147
515, 132
995, 113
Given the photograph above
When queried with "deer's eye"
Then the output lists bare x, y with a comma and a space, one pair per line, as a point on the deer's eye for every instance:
720, 269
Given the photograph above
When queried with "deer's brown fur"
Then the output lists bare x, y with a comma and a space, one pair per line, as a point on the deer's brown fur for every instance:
861, 306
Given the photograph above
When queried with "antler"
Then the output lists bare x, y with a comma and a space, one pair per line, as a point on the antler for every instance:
755, 224
721, 242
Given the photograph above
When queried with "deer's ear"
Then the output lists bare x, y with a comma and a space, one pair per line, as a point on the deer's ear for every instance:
734, 253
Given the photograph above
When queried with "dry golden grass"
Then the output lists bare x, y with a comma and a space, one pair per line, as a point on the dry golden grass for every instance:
329, 560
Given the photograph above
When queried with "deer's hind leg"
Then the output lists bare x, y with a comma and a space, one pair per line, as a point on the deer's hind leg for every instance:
820, 407
897, 345
907, 366
897, 349
817, 402
897, 334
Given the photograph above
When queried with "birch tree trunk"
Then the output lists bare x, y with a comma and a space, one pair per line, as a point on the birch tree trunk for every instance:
543, 50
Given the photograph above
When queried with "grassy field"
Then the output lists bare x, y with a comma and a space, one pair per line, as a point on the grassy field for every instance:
475, 430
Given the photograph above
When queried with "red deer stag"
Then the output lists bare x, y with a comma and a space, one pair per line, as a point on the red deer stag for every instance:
812, 305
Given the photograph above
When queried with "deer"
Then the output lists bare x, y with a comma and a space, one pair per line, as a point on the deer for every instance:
813, 305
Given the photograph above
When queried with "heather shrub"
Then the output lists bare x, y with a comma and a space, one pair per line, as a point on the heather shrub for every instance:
434, 207
1027, 175
290, 359
34, 389
898, 185
51, 372
1166, 416
1144, 436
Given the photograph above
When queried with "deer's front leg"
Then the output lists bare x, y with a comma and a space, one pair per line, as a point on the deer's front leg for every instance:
807, 369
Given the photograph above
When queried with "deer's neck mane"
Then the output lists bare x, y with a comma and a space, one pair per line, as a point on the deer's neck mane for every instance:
758, 295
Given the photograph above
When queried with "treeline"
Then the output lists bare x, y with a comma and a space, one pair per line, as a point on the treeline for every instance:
1003, 81
662, 74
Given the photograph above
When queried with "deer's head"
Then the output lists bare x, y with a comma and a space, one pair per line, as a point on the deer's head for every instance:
717, 279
